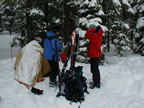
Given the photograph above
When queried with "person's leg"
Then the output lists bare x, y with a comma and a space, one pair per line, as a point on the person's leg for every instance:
96, 74
95, 71
54, 70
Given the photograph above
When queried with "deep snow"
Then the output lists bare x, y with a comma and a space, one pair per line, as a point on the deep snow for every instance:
122, 87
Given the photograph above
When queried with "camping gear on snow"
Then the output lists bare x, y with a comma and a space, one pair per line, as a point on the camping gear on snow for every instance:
30, 65
75, 84
73, 80
61, 74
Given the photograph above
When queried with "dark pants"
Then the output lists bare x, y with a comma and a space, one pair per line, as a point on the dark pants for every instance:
95, 70
54, 70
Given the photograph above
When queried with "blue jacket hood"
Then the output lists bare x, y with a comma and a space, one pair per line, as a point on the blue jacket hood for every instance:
50, 34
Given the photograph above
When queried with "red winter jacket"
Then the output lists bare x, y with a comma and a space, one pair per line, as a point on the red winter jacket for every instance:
95, 42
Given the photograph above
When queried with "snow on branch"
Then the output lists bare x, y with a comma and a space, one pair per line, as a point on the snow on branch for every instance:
36, 12
116, 2
140, 23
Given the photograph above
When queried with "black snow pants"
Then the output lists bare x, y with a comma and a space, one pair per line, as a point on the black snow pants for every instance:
54, 70
95, 70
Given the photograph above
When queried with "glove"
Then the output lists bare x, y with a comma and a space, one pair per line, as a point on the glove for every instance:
36, 91
98, 28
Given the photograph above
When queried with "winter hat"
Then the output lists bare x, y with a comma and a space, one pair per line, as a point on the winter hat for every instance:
92, 26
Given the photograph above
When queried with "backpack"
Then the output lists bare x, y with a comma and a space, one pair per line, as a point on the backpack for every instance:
75, 84
73, 80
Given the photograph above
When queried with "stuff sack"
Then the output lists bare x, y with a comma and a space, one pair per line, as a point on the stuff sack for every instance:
75, 84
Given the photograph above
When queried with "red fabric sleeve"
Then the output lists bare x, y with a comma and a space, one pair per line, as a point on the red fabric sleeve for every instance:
89, 34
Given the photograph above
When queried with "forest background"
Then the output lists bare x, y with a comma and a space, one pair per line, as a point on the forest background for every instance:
122, 21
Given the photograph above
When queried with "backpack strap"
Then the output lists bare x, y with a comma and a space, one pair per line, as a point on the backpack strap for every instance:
52, 37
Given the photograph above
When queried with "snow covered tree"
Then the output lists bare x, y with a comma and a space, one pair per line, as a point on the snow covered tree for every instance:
8, 12
1, 16
121, 44
117, 15
113, 16
138, 32
33, 18
26, 21
0, 23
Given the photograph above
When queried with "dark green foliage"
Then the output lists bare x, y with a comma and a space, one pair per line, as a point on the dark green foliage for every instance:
138, 27
32, 18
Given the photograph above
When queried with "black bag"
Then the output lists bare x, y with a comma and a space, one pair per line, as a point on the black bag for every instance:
75, 84
73, 79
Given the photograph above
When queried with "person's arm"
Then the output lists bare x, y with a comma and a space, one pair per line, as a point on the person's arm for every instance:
90, 34
95, 37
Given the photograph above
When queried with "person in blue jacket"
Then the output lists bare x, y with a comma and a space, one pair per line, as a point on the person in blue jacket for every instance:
52, 48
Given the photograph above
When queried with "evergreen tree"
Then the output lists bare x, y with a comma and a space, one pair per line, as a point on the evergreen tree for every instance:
8, 12
33, 18
1, 15
117, 14
0, 22
122, 44
26, 21
111, 15
138, 31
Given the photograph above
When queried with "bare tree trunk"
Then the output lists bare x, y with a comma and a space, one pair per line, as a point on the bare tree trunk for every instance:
67, 23
108, 37
29, 27
106, 22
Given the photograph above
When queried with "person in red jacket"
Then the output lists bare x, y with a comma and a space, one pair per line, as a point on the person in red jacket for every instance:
95, 36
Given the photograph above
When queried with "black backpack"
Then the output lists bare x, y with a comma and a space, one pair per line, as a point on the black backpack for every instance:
75, 84
73, 80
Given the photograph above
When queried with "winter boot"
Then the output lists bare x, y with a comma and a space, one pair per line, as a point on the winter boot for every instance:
36, 91
53, 84
93, 85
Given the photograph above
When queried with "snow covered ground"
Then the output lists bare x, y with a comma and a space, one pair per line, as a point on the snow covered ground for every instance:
122, 87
